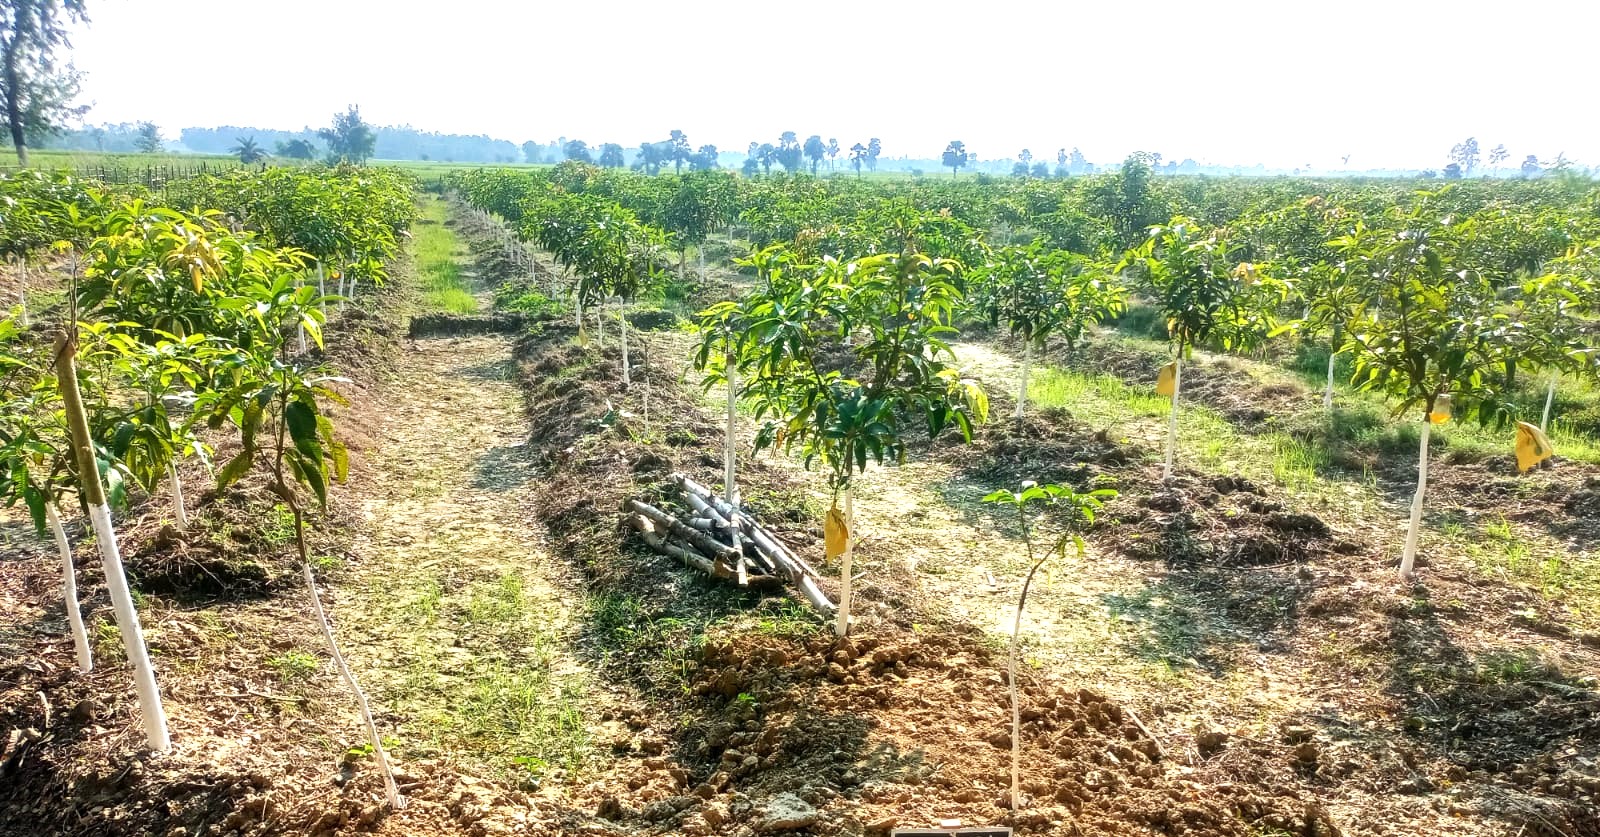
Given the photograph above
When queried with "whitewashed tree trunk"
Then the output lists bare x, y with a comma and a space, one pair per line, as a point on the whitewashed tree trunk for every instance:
577, 305
105, 535
1409, 557
842, 626
730, 447
1172, 417
702, 256
1022, 386
144, 675
1549, 402
1011, 676
390, 788
176, 486
22, 292
1333, 352
69, 585
322, 288
622, 326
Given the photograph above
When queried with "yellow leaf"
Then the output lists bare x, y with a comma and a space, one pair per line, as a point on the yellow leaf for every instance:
1441, 410
835, 533
1533, 446
1167, 379
195, 277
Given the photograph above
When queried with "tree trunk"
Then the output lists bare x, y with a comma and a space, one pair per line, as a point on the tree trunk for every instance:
322, 288
176, 486
730, 484
14, 103
1172, 417
69, 578
1333, 352
1549, 402
1409, 557
842, 625
105, 535
683, 257
1011, 677
396, 801
1022, 386
22, 291
622, 326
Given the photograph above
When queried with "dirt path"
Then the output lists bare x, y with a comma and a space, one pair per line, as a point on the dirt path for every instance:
462, 623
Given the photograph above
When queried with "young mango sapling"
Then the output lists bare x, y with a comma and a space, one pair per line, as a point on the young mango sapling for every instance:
1433, 337
1079, 512
1206, 295
904, 303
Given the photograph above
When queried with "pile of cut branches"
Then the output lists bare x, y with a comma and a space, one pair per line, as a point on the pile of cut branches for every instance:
725, 543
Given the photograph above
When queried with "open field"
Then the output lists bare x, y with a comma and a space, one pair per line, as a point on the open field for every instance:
1232, 650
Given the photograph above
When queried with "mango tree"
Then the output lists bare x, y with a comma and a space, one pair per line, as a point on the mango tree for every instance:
903, 303
1433, 337
1037, 293
1206, 295
274, 400
1079, 511
1552, 322
35, 456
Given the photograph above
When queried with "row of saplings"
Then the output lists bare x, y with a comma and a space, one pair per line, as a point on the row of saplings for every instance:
771, 350
182, 336
1402, 300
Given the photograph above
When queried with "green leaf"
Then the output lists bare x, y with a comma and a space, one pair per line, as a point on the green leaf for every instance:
235, 468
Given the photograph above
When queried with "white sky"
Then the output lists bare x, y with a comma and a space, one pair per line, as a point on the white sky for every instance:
1284, 82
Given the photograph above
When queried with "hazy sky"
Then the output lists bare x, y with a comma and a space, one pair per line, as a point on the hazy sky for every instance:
1288, 82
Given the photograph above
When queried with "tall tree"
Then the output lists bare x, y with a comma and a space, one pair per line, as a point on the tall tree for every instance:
788, 153
247, 151
816, 149
149, 141
1465, 155
680, 150
833, 151
297, 149
874, 148
611, 155
577, 150
955, 156
703, 160
1498, 156
530, 152
36, 92
350, 138
858, 156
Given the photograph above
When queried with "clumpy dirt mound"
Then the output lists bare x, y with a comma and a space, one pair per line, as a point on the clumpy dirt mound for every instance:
860, 735
1219, 522
434, 324
1048, 446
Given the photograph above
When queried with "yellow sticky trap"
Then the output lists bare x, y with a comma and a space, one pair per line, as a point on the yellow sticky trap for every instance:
835, 533
1441, 410
1167, 379
196, 277
1533, 446
1246, 273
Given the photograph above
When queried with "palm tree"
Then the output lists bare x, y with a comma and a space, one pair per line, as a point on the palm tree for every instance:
247, 151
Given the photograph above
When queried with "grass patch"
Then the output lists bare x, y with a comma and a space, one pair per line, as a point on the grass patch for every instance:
484, 674
294, 666
438, 262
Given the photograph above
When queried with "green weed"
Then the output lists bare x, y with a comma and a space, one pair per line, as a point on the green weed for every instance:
294, 666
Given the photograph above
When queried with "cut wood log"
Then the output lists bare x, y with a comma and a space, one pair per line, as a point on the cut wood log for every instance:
707, 545
659, 541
